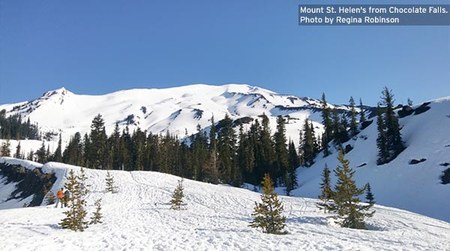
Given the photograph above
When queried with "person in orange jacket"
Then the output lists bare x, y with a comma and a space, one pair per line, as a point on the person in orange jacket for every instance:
60, 197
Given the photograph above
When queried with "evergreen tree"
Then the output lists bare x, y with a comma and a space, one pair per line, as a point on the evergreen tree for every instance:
326, 192
87, 146
383, 153
177, 196
211, 169
281, 152
18, 153
97, 216
394, 139
369, 195
301, 154
266, 156
73, 154
57, 156
362, 116
41, 154
324, 144
260, 158
353, 122
30, 156
328, 126
350, 213
76, 213
116, 148
268, 214
110, 186
246, 156
125, 152
82, 180
308, 144
97, 150
339, 128
200, 158
138, 150
291, 174
226, 147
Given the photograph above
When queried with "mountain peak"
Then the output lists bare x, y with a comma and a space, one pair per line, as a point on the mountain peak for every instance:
60, 91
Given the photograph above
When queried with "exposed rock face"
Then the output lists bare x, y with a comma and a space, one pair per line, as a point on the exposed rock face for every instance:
29, 182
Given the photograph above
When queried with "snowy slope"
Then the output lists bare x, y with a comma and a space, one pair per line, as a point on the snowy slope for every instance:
215, 218
399, 184
178, 110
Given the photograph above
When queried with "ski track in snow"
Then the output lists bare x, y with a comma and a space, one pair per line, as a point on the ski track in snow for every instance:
215, 217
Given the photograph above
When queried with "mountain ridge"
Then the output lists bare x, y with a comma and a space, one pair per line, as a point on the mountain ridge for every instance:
176, 109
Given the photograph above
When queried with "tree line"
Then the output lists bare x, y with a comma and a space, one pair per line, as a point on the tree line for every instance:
220, 155
12, 127
225, 154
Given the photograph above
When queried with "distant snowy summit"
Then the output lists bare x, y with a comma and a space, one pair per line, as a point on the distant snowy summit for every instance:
178, 110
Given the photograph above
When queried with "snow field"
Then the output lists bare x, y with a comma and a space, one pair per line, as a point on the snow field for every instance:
215, 217
398, 184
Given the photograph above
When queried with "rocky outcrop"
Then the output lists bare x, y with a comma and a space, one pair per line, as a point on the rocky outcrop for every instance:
29, 182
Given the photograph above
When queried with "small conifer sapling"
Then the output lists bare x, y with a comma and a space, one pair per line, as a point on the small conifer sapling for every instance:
267, 215
76, 212
110, 187
327, 193
97, 217
177, 196
369, 195
350, 212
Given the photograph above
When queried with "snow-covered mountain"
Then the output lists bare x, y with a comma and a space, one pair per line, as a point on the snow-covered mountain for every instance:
215, 217
178, 110
411, 181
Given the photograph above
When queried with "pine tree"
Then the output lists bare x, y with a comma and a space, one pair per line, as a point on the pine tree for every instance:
73, 154
200, 158
281, 152
383, 153
326, 192
309, 144
97, 144
369, 195
362, 116
97, 216
115, 148
328, 126
211, 169
18, 154
82, 178
350, 213
57, 156
246, 156
390, 132
353, 122
76, 213
226, 149
268, 214
266, 156
41, 154
291, 174
177, 196
110, 186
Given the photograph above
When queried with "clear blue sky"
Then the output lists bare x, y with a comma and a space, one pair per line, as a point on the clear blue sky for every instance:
96, 47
